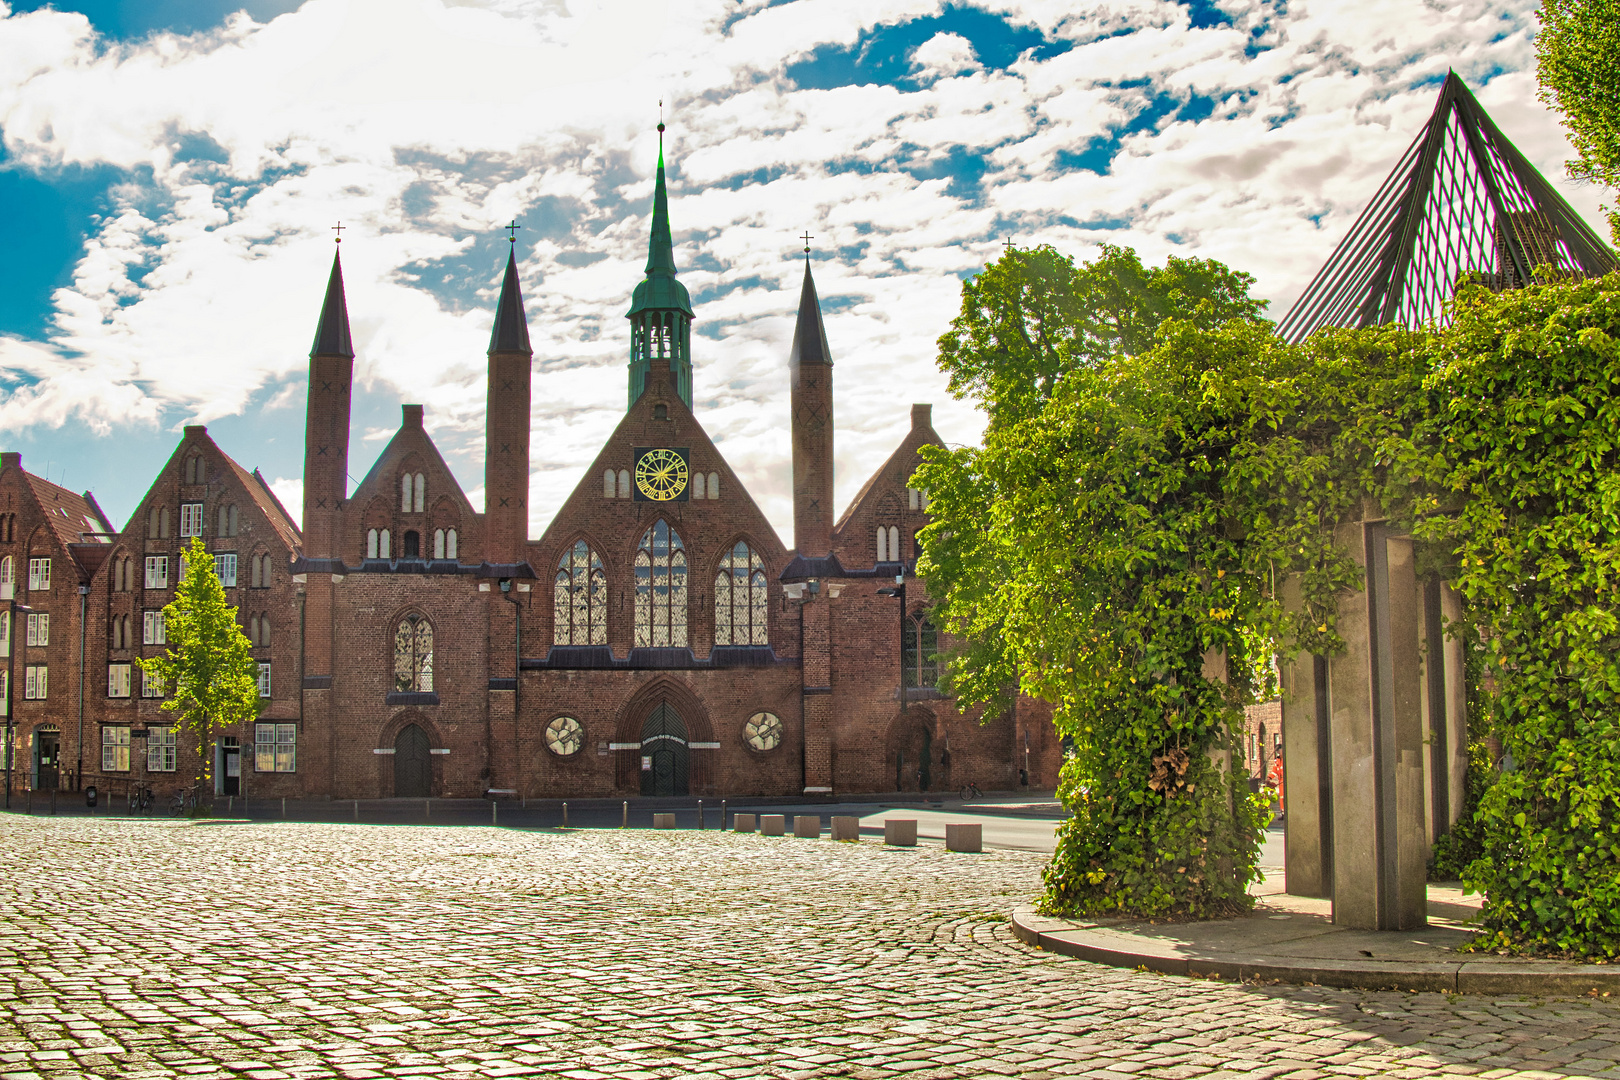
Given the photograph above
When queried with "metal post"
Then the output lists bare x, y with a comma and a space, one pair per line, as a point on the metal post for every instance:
722, 815
625, 823
284, 806
700, 813
494, 818
427, 809
565, 815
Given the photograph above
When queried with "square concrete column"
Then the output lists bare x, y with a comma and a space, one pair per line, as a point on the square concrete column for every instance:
900, 832
743, 822
807, 826
846, 827
1380, 842
1307, 769
1445, 708
772, 825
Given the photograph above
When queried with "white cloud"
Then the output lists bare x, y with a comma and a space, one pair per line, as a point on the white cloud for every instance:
423, 124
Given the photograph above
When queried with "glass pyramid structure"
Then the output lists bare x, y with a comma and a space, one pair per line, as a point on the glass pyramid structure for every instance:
1461, 200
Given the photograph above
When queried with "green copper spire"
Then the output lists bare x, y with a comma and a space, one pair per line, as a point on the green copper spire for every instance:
661, 309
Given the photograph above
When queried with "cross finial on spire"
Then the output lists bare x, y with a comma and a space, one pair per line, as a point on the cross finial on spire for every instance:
513, 228
807, 238
1007, 244
660, 119
338, 228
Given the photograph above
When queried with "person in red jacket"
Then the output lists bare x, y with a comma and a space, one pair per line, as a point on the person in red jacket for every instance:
1274, 778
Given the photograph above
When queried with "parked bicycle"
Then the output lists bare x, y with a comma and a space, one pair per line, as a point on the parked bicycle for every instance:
184, 801
971, 791
140, 798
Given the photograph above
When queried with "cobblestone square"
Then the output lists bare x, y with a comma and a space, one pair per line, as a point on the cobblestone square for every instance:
156, 949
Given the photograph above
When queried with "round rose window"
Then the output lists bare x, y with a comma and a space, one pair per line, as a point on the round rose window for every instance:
564, 736
763, 731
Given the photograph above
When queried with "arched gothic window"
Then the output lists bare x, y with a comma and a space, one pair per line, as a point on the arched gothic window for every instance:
714, 485
377, 544
661, 589
227, 520
609, 482
698, 484
193, 470
741, 599
919, 649
888, 543
413, 656
624, 483
412, 492
451, 548
580, 598
8, 578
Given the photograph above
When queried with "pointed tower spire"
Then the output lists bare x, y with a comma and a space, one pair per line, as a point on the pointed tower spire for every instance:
332, 333
661, 309
511, 330
506, 425
810, 375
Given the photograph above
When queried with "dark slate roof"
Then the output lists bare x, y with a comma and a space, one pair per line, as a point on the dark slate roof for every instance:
521, 571
332, 335
510, 333
803, 569
810, 335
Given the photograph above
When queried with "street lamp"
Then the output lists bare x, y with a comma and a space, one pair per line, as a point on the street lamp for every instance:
11, 682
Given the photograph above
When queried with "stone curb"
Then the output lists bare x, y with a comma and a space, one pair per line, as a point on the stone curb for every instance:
1546, 978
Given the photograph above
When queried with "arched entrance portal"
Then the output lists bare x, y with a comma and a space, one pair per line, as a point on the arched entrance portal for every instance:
665, 757
413, 768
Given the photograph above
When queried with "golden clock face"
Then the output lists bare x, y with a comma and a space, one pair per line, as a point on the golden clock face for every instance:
661, 474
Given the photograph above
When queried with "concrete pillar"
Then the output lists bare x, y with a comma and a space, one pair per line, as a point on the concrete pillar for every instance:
1380, 844
1445, 711
1307, 770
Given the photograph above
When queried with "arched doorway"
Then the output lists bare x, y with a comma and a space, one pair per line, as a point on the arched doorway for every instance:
413, 768
665, 758
912, 754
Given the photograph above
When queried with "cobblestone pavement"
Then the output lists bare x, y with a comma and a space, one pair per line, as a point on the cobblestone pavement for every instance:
162, 949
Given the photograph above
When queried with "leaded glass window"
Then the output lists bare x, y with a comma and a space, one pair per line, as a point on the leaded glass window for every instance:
661, 589
919, 657
580, 602
741, 599
413, 656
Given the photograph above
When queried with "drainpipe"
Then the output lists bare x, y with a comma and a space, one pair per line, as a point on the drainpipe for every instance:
84, 598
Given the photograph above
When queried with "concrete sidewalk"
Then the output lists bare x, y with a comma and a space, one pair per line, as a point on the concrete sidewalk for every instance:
1292, 939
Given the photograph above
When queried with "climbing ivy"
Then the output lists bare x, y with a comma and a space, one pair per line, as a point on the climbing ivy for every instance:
1525, 476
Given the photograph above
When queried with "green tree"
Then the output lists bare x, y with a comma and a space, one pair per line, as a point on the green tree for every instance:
208, 671
1578, 67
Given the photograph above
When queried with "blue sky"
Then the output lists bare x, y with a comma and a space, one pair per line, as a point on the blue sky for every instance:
170, 170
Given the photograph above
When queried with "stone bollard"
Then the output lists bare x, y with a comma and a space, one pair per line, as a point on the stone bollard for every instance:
846, 828
565, 815
964, 838
772, 825
663, 821
744, 822
900, 832
807, 826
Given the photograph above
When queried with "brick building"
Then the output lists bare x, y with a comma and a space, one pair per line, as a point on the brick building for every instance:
658, 638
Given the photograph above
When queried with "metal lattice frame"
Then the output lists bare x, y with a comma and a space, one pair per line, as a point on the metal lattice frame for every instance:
1461, 200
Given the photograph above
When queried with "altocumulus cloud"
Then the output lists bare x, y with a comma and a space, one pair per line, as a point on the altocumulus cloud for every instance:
909, 137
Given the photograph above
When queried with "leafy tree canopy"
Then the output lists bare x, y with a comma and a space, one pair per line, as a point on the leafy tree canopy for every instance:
208, 671
1578, 66
1034, 316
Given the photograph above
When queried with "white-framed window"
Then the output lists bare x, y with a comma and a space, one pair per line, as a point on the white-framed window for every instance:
5, 697
35, 683
154, 628
39, 628
115, 749
5, 634
162, 749
118, 680
157, 571
151, 685
8, 580
225, 568
191, 519
264, 680
39, 575
275, 748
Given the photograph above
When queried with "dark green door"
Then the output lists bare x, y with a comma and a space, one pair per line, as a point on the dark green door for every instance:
664, 753
413, 775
